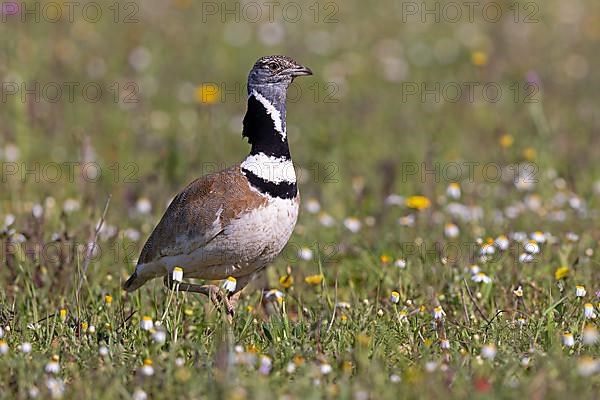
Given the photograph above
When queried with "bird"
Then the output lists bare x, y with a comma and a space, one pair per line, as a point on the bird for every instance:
230, 225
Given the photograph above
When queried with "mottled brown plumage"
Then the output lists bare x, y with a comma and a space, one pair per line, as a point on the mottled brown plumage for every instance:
192, 212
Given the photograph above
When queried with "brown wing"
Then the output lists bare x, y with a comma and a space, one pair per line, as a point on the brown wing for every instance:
199, 213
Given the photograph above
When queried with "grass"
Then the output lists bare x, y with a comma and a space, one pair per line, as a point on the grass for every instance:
364, 143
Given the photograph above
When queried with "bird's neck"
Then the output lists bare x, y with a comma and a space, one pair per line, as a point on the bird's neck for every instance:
269, 166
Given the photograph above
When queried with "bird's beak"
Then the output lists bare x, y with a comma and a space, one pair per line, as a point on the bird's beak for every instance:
300, 70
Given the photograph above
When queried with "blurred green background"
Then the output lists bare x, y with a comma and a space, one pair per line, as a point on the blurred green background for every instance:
356, 112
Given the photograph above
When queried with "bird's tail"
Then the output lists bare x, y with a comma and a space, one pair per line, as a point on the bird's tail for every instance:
134, 282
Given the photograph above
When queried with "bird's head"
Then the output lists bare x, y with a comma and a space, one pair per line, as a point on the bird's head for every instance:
276, 70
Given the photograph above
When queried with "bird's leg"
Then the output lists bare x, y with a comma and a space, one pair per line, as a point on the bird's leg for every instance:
213, 292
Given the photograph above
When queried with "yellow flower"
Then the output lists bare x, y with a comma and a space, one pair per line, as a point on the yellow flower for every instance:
529, 153
385, 259
63, 314
298, 360
147, 361
84, 326
479, 58
418, 202
314, 279
506, 140
207, 93
286, 281
561, 273
108, 299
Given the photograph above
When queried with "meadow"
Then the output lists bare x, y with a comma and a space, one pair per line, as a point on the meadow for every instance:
448, 240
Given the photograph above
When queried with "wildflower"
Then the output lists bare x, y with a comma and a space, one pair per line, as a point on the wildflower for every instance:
580, 291
230, 284
313, 206
400, 263
179, 361
146, 323
343, 305
438, 313
63, 314
506, 140
147, 369
275, 294
521, 321
526, 258
314, 279
265, 365
326, 220
488, 248
325, 368
132, 234
479, 58
451, 230
418, 202
474, 269
26, 347
408, 220
561, 273
159, 336
177, 274
108, 299
395, 378
529, 154
56, 387
590, 335
397, 200
33, 392
395, 297
488, 351
385, 259
525, 361
501, 242
143, 206
453, 191
532, 247
306, 254
538, 237
403, 316
431, 366
3, 347
481, 277
588, 366
572, 237
92, 329
1, 332
139, 394
52, 367
70, 205
568, 339
445, 344
290, 368
103, 351
286, 281
588, 311
207, 93
352, 224
518, 291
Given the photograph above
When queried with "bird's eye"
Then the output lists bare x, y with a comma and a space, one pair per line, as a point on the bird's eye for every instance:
273, 66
